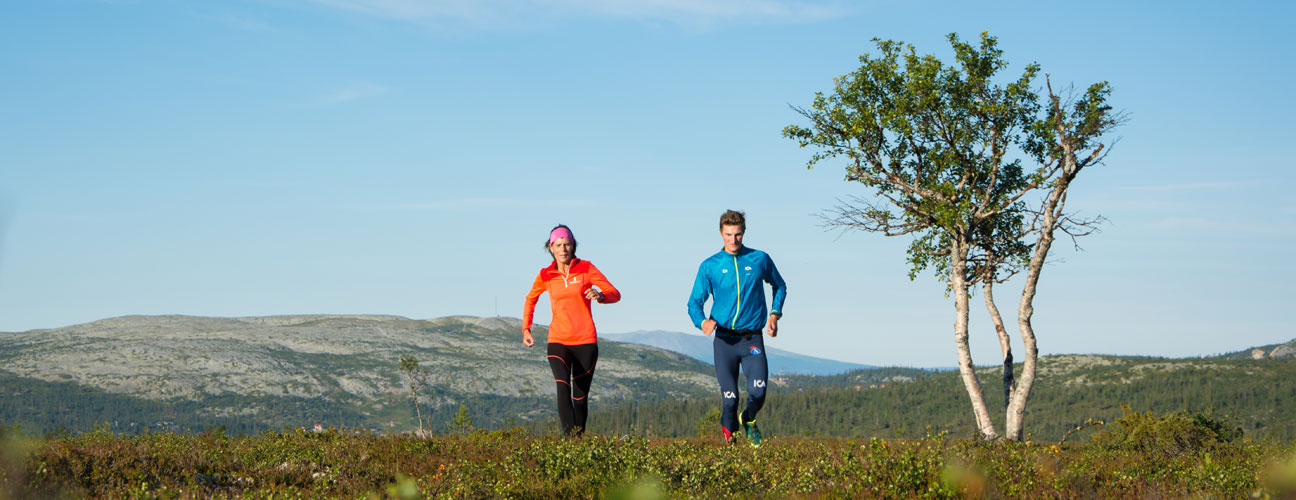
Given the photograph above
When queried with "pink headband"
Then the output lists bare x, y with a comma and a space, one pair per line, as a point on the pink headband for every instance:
560, 232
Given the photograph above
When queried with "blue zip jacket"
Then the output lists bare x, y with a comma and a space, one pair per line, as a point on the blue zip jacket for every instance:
735, 282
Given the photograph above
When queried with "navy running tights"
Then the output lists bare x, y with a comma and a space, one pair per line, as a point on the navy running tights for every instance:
749, 353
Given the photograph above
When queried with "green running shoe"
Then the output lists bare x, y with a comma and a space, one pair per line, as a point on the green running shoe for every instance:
752, 430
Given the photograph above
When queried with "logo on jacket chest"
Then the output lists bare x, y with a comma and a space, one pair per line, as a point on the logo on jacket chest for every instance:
747, 270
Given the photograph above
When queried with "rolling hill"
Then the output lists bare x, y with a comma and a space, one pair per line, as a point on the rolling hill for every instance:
1272, 351
271, 372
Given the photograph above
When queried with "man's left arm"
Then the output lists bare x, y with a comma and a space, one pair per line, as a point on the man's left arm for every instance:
779, 288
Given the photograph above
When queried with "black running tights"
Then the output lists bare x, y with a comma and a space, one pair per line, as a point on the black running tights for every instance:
573, 369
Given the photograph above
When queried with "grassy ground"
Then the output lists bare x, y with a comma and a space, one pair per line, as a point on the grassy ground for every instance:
1140, 455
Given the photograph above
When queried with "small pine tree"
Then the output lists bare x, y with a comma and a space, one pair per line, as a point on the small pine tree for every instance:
463, 421
709, 425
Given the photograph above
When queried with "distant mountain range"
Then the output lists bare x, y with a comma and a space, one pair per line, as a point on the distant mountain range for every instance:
698, 347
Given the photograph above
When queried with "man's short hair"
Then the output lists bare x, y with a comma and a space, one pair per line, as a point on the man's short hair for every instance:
733, 218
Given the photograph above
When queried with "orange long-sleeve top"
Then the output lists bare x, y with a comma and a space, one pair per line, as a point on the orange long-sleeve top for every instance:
573, 323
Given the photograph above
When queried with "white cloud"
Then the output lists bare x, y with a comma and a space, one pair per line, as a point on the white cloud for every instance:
497, 13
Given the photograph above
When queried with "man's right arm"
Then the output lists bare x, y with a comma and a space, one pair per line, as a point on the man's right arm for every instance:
698, 298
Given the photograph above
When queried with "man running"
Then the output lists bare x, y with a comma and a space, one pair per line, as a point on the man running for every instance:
733, 278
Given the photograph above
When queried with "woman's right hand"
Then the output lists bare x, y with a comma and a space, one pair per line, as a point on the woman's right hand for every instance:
527, 339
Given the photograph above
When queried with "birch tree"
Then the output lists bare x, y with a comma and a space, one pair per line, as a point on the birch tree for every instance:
955, 160
416, 378
1069, 141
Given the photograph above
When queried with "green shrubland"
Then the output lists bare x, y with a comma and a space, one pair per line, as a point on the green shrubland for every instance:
1137, 455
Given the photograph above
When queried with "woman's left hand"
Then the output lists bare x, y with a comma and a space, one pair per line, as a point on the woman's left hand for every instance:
594, 295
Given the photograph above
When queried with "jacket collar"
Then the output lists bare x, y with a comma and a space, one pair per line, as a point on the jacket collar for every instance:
553, 266
741, 251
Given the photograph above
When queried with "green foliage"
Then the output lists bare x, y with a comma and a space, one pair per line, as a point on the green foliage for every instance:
515, 464
710, 424
646, 488
405, 488
1171, 435
408, 364
416, 379
1279, 476
68, 408
14, 450
59, 407
462, 423
945, 149
935, 142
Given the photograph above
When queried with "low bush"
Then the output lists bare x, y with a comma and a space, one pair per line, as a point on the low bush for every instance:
1170, 435
518, 464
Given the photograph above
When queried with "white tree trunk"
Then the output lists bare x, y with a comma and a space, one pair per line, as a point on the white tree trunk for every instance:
958, 281
1005, 344
1026, 308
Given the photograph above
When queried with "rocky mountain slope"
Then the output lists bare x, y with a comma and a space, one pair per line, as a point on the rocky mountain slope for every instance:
1273, 351
351, 361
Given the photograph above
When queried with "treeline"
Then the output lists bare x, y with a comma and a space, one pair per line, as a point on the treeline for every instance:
40, 407
1258, 396
43, 407
53, 407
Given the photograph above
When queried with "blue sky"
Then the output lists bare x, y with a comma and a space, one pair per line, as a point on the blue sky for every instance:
259, 157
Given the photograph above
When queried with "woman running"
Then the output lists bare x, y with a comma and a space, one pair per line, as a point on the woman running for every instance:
573, 340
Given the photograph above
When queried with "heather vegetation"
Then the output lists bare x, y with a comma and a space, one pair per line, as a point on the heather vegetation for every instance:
1139, 455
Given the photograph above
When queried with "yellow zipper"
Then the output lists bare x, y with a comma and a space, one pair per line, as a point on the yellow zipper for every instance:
738, 305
